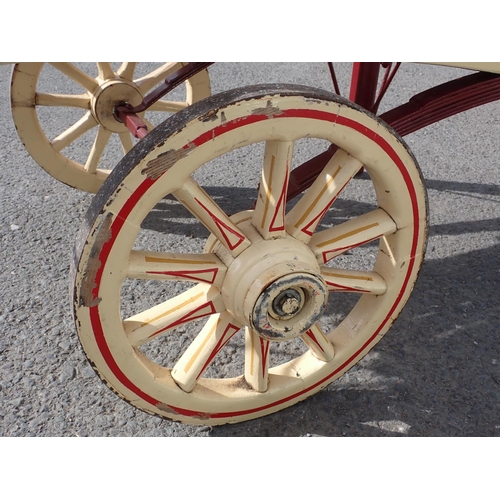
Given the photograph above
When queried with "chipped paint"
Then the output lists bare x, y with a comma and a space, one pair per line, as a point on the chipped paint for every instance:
103, 234
173, 411
210, 116
157, 167
270, 111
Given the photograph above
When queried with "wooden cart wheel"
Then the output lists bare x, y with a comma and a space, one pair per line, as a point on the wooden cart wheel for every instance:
93, 103
266, 278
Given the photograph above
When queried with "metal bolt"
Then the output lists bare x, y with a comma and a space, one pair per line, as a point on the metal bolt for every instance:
287, 303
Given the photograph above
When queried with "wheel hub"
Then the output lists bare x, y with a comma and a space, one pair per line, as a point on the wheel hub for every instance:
275, 286
110, 94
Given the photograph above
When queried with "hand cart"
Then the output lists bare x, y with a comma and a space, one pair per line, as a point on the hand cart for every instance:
267, 276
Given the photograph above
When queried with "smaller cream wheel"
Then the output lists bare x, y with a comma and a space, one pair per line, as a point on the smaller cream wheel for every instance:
36, 110
266, 278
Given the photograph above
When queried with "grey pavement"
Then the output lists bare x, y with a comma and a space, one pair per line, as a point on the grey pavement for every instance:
435, 373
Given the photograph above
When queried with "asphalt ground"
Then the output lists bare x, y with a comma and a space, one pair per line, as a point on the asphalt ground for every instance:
435, 373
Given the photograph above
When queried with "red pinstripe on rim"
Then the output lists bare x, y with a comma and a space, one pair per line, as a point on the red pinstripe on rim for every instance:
145, 186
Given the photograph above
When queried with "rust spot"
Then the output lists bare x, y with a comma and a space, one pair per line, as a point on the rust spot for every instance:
157, 167
269, 110
103, 234
210, 116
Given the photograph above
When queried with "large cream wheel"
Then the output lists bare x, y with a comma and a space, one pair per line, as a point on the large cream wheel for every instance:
265, 276
96, 99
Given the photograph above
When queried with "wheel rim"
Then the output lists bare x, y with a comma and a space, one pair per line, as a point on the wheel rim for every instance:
247, 255
96, 99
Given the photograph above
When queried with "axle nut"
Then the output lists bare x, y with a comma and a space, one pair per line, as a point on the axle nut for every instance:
289, 306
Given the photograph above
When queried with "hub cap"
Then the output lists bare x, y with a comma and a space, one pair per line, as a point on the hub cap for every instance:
289, 306
111, 94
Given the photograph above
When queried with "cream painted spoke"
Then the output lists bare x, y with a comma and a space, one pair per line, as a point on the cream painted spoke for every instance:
217, 332
76, 74
346, 280
197, 201
305, 216
196, 303
148, 124
126, 141
168, 106
319, 345
105, 71
84, 124
356, 232
151, 80
256, 360
200, 268
126, 70
63, 100
101, 139
269, 214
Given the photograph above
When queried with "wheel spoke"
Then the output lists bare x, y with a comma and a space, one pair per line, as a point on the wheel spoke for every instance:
200, 268
76, 74
196, 303
126, 140
269, 214
97, 150
197, 201
214, 336
148, 124
319, 345
63, 100
335, 241
126, 70
105, 71
151, 80
256, 360
168, 106
305, 216
84, 124
346, 280
198, 87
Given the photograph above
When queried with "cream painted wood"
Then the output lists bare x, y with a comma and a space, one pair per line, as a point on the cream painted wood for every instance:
318, 343
333, 242
302, 220
200, 301
216, 333
347, 280
205, 268
99, 96
256, 360
489, 67
194, 198
270, 274
269, 214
